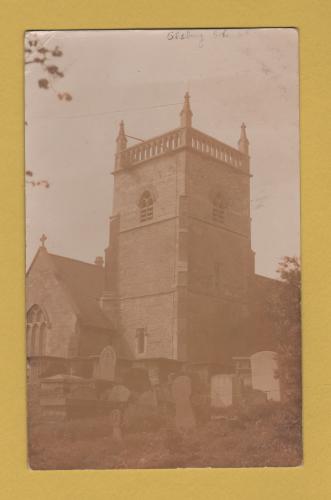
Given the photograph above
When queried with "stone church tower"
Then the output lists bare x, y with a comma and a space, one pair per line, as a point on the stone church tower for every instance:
179, 262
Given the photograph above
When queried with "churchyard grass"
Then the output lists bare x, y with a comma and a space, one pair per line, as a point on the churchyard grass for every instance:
267, 435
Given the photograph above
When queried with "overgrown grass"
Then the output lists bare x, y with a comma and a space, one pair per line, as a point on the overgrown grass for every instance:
268, 435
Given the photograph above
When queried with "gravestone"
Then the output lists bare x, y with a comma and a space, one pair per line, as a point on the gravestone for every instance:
181, 392
221, 388
264, 365
118, 394
66, 395
105, 368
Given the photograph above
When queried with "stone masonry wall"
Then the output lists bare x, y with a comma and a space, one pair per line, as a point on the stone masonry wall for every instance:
147, 253
219, 257
43, 288
93, 340
181, 275
156, 314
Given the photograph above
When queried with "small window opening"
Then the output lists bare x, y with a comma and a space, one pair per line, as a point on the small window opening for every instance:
141, 340
146, 207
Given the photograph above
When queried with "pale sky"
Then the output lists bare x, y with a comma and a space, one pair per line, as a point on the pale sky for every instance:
141, 77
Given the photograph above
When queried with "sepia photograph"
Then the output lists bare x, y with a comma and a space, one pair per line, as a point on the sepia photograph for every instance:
163, 275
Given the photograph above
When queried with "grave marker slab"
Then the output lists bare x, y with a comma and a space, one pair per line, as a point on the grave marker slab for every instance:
221, 388
105, 369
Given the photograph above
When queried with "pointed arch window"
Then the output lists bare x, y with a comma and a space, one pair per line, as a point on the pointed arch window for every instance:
37, 328
218, 209
146, 206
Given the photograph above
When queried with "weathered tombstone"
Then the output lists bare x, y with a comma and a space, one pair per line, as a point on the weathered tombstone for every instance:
181, 392
221, 388
105, 369
66, 395
264, 366
118, 394
116, 423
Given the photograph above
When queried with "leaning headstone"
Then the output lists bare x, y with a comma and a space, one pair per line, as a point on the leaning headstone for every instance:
264, 366
181, 392
105, 369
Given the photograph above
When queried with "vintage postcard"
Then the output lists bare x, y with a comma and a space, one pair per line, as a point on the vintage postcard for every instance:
163, 320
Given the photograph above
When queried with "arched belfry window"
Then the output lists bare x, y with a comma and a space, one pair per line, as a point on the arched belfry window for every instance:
37, 327
218, 208
146, 206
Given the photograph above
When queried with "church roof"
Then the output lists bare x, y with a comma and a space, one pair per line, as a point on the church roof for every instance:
85, 284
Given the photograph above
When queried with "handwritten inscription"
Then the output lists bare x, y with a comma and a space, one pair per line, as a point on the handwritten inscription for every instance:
201, 36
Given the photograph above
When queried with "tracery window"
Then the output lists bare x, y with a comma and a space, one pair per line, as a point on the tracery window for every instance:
37, 327
146, 206
218, 208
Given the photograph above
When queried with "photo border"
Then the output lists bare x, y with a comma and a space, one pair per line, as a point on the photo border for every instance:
313, 479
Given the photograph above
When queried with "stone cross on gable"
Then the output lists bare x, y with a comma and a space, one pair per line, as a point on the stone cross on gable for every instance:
43, 239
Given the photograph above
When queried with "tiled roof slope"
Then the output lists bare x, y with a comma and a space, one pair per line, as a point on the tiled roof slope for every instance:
85, 284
